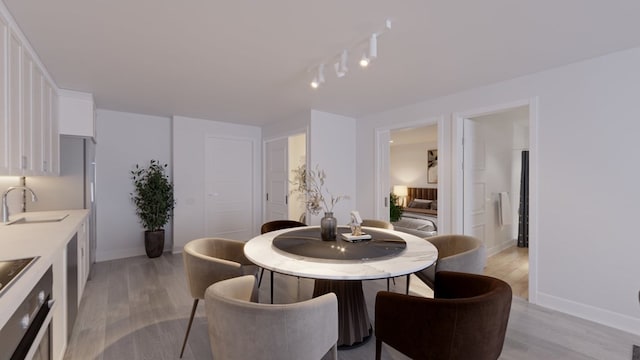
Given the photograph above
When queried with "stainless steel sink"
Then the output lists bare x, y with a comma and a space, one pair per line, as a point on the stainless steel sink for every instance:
36, 219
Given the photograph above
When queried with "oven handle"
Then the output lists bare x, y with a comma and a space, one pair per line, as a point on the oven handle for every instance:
51, 304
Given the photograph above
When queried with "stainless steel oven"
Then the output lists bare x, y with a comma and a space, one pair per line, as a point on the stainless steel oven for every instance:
27, 334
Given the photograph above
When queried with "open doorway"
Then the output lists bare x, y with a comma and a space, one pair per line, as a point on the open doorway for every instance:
409, 156
495, 193
281, 157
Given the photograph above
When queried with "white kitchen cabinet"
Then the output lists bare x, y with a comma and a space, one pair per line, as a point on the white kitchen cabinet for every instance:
83, 256
28, 166
37, 150
5, 129
14, 89
54, 131
77, 113
59, 322
29, 138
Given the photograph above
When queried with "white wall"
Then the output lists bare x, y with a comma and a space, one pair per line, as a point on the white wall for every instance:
293, 125
188, 167
125, 140
408, 164
333, 149
587, 194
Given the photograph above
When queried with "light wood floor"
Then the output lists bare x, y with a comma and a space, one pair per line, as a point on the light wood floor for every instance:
138, 308
512, 266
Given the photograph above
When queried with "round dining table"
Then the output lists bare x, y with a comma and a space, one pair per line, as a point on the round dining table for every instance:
339, 266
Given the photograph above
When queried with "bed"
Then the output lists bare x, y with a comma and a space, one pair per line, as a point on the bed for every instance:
420, 215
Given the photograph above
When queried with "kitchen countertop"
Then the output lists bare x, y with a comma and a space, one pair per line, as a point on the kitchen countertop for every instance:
44, 239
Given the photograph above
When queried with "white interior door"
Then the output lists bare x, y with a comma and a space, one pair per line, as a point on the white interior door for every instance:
277, 180
475, 195
229, 188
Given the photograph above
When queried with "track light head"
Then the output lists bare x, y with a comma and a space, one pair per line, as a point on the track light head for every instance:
314, 83
364, 61
344, 57
321, 73
373, 46
339, 73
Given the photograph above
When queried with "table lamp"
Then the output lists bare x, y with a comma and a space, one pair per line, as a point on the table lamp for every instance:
401, 191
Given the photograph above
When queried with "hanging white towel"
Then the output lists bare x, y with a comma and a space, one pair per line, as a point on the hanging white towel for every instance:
504, 208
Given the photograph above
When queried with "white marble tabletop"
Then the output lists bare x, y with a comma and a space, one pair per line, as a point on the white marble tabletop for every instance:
418, 255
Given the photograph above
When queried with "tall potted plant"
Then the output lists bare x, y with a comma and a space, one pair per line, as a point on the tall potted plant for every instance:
153, 198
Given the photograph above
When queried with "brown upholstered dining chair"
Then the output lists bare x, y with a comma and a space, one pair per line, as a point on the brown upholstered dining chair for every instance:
273, 226
466, 319
209, 260
459, 253
240, 328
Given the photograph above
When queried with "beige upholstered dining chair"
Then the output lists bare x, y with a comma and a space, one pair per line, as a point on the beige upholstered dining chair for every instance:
460, 253
209, 260
377, 224
242, 329
466, 319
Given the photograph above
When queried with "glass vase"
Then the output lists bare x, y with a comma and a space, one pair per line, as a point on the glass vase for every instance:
328, 227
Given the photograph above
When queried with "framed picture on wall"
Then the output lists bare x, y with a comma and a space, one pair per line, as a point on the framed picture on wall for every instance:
432, 166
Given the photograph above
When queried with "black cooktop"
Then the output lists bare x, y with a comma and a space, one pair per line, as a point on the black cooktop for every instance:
10, 270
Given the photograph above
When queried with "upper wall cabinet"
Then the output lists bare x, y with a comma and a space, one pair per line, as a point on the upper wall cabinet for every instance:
5, 124
77, 113
29, 138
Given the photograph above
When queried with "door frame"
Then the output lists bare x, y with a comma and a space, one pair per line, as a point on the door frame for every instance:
458, 179
285, 135
382, 150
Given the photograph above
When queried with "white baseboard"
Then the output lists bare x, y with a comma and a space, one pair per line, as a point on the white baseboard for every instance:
602, 316
119, 254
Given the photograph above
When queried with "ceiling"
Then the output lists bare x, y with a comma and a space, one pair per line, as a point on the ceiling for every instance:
248, 61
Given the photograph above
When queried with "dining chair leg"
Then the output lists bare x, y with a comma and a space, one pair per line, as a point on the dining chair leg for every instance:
186, 336
378, 349
394, 282
260, 278
408, 283
271, 286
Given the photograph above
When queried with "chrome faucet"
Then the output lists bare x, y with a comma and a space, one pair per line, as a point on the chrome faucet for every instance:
5, 207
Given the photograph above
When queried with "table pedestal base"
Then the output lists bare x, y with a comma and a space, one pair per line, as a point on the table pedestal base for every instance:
354, 326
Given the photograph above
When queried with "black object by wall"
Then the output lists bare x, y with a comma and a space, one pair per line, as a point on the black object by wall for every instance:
523, 212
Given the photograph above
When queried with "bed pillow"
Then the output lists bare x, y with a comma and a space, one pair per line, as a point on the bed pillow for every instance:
420, 204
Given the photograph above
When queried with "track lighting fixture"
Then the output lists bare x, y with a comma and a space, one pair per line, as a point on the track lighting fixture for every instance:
340, 62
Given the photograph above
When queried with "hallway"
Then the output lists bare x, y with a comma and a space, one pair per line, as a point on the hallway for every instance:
512, 266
